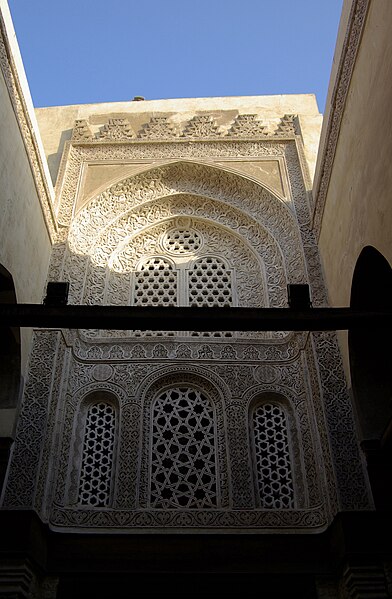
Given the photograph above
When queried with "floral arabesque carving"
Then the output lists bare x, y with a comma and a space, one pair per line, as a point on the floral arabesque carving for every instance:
75, 156
234, 190
349, 468
32, 423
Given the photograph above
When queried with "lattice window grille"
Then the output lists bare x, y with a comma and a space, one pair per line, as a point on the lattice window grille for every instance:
206, 282
182, 241
210, 283
155, 284
97, 457
183, 470
273, 463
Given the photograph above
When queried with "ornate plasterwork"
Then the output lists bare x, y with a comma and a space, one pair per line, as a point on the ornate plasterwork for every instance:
291, 521
248, 265
158, 127
76, 155
111, 210
248, 227
199, 349
130, 382
353, 490
81, 131
135, 387
349, 53
40, 391
29, 136
213, 392
247, 125
202, 126
117, 130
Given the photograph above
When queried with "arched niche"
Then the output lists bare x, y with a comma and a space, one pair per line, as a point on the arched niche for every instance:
9, 372
275, 452
370, 366
9, 348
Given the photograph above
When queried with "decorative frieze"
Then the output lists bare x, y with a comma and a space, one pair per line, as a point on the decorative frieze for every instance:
203, 126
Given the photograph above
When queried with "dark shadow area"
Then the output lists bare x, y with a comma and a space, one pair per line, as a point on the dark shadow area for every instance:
9, 348
9, 366
192, 585
370, 365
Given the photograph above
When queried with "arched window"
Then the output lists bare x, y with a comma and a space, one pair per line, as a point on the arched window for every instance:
183, 469
155, 283
210, 283
273, 465
160, 281
96, 471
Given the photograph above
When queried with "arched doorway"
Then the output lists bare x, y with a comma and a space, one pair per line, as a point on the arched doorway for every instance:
9, 368
370, 366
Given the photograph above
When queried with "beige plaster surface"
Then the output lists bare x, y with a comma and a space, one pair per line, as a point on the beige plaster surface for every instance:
264, 171
99, 176
56, 123
358, 209
25, 244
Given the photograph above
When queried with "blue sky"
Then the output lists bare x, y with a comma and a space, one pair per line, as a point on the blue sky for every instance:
83, 51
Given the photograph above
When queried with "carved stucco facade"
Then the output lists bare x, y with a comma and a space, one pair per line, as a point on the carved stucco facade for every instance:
240, 191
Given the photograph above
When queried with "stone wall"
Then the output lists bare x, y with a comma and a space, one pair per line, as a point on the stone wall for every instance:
353, 184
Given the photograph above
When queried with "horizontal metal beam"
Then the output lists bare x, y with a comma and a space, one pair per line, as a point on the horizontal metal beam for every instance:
191, 319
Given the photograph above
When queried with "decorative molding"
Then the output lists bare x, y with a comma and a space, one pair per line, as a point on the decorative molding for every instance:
117, 130
247, 125
75, 156
81, 131
200, 349
349, 53
158, 127
288, 126
289, 521
349, 465
28, 134
200, 127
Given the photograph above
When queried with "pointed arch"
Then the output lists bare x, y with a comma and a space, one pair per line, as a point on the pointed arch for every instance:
210, 182
195, 386
170, 163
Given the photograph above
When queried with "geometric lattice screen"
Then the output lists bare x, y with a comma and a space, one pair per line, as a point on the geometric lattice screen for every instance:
155, 284
97, 458
210, 286
210, 283
183, 472
273, 463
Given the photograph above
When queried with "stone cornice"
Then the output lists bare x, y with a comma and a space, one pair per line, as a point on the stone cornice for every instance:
28, 134
345, 70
